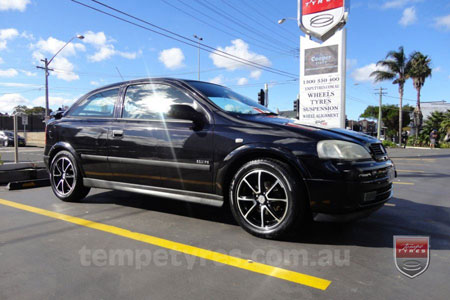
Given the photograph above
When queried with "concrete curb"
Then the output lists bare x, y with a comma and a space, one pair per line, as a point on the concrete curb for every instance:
22, 165
23, 174
18, 185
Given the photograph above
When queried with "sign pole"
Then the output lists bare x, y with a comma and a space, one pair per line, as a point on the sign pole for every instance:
25, 123
16, 140
343, 73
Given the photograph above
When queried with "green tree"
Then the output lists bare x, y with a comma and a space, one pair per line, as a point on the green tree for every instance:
395, 68
20, 109
418, 69
23, 109
36, 110
389, 116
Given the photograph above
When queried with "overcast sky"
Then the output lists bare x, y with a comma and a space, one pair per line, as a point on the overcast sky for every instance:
31, 30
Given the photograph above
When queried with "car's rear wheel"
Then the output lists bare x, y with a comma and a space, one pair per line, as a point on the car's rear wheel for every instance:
66, 178
267, 198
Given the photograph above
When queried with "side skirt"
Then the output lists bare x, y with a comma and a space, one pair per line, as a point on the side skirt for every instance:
187, 196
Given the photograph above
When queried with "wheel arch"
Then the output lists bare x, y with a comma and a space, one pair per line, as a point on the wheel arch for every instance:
61, 146
246, 153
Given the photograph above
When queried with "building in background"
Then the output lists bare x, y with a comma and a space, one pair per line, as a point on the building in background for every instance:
365, 126
429, 107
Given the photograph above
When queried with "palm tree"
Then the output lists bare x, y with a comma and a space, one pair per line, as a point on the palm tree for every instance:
418, 69
394, 67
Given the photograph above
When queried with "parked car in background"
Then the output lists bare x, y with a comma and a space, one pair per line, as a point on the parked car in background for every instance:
201, 142
7, 139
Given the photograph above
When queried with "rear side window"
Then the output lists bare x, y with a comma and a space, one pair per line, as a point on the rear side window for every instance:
97, 105
152, 101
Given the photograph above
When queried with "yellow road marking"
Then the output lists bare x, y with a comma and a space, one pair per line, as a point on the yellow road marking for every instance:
389, 204
407, 183
427, 159
315, 282
411, 171
411, 164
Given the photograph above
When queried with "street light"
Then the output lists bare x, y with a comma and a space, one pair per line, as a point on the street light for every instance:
198, 44
281, 21
47, 63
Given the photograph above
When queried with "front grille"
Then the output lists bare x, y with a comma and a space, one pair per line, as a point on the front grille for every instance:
377, 149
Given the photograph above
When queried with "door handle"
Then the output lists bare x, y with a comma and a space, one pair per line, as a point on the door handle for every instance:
117, 133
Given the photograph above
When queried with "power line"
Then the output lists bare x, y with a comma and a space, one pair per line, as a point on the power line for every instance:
190, 42
280, 51
406, 99
255, 20
259, 13
22, 91
283, 15
271, 83
233, 20
365, 102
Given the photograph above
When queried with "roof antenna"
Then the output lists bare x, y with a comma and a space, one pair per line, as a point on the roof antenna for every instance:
119, 73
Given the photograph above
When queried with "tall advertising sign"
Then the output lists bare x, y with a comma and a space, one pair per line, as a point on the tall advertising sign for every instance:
322, 81
322, 64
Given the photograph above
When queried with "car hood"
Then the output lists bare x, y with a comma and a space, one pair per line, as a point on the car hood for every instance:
323, 133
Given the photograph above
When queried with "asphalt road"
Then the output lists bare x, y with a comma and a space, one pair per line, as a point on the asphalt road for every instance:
26, 154
44, 255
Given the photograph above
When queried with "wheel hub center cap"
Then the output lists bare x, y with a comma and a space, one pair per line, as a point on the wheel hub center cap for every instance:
261, 199
64, 176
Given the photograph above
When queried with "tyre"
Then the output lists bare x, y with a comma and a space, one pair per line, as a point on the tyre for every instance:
66, 178
267, 198
5, 143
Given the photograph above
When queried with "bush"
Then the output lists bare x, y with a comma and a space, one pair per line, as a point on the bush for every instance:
444, 145
389, 144
437, 120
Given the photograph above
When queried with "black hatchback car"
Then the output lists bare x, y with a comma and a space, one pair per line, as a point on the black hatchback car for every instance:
200, 142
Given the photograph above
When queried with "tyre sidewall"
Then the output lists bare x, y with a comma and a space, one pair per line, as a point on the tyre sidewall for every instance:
293, 189
74, 194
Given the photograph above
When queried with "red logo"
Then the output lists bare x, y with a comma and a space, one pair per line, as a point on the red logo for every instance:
411, 254
314, 6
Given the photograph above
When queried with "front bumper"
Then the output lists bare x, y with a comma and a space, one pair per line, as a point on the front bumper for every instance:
46, 161
360, 188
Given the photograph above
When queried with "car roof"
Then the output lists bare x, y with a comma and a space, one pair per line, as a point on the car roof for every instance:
149, 79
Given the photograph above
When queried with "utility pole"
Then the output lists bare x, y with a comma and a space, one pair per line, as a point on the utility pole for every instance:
266, 95
198, 46
381, 93
46, 68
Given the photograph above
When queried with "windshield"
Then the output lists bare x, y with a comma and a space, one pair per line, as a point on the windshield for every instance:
8, 133
230, 101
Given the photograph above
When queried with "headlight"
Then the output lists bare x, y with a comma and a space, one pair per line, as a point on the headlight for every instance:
341, 150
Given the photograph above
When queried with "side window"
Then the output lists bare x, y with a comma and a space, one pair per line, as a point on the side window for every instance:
97, 105
152, 101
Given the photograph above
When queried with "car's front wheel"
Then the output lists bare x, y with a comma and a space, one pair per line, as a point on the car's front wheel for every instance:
267, 198
66, 178
5, 143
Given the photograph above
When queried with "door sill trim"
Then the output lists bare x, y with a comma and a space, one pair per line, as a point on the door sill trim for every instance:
187, 196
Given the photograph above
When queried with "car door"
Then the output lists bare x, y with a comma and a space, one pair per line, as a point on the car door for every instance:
157, 149
85, 127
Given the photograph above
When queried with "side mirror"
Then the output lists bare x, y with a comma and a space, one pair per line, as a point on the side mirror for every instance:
57, 114
186, 112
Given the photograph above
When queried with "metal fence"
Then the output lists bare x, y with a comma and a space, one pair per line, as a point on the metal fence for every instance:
35, 123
